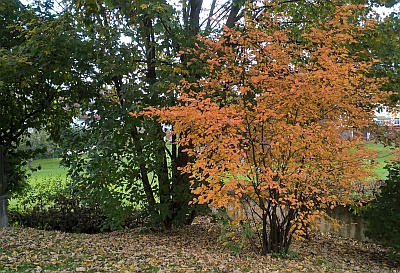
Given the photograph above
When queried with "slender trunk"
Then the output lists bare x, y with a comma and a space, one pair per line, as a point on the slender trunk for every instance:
287, 236
151, 75
160, 154
274, 231
164, 182
265, 245
143, 170
138, 149
210, 14
147, 186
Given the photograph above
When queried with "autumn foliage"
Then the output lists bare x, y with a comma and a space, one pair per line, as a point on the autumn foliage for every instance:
274, 128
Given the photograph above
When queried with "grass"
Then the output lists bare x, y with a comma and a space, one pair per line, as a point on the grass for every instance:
50, 171
50, 167
384, 155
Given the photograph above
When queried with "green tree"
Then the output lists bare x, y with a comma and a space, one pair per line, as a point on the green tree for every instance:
131, 152
44, 69
387, 49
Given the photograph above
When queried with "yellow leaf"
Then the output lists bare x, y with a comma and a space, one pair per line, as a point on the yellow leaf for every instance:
24, 84
143, 6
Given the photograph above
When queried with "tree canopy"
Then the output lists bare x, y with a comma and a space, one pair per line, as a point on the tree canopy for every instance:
44, 70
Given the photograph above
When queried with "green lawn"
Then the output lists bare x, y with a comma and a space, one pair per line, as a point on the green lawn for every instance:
50, 167
50, 171
384, 155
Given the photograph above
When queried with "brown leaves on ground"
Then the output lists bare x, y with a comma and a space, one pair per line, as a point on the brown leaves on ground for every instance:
191, 249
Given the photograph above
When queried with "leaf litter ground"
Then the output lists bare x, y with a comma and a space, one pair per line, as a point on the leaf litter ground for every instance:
191, 249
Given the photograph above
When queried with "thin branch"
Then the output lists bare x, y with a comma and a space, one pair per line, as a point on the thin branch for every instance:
210, 14
224, 8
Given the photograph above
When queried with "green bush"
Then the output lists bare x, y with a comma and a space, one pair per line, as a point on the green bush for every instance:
384, 215
39, 193
49, 204
66, 215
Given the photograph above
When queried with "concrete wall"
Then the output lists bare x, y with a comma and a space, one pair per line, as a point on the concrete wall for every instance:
352, 226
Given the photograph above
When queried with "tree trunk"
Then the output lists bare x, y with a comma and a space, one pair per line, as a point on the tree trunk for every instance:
265, 245
163, 179
233, 15
143, 171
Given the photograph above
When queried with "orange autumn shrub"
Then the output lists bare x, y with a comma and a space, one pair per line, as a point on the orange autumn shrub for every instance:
273, 130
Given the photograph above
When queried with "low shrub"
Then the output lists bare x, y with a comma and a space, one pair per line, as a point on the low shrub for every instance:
48, 204
39, 193
66, 214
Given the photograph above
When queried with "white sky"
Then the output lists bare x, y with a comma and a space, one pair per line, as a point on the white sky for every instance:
385, 11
